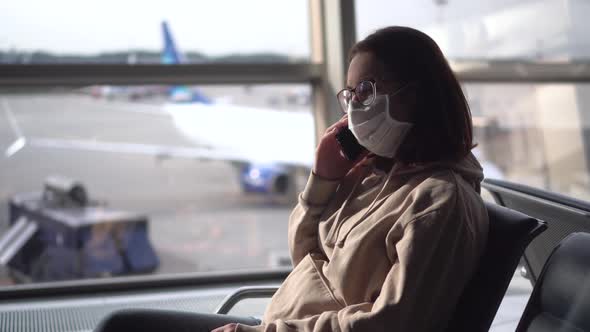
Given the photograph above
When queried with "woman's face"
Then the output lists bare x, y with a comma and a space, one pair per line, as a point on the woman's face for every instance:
364, 66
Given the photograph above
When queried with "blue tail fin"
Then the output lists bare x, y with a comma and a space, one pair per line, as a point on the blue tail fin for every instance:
170, 54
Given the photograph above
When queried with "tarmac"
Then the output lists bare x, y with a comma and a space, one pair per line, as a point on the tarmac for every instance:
199, 219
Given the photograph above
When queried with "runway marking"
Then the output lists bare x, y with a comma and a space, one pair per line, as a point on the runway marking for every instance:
11, 119
20, 141
15, 147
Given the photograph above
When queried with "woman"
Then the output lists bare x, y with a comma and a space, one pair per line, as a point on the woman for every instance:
386, 242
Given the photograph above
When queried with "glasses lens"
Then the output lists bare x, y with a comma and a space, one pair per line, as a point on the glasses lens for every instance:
365, 93
344, 98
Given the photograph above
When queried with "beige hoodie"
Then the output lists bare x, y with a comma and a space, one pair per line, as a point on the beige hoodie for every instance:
381, 251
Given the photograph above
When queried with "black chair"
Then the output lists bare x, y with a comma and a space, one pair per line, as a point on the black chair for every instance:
509, 234
564, 215
561, 297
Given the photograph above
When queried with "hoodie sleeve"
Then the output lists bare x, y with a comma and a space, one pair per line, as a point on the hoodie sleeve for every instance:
304, 219
435, 257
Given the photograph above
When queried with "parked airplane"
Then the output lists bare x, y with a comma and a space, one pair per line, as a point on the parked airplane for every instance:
267, 146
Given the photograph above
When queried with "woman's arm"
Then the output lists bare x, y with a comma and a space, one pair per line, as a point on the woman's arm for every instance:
303, 222
329, 169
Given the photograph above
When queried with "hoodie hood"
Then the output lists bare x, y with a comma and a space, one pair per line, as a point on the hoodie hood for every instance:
469, 168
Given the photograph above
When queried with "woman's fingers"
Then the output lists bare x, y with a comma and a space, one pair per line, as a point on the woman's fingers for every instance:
339, 124
329, 139
330, 162
226, 328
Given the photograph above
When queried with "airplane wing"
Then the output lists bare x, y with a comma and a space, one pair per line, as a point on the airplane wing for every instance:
157, 151
285, 144
161, 151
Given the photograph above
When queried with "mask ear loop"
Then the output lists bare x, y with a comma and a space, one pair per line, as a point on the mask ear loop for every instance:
405, 86
392, 94
386, 116
395, 93
390, 121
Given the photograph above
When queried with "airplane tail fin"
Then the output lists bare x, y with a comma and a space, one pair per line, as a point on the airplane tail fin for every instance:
184, 94
170, 54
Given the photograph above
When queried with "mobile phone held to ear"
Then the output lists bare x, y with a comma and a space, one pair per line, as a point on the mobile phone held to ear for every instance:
348, 143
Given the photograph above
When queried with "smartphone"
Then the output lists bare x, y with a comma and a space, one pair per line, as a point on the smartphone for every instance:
349, 144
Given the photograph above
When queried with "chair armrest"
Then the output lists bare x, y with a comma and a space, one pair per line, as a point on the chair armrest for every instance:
244, 293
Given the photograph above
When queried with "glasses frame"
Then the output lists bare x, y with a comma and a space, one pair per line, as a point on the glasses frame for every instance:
339, 97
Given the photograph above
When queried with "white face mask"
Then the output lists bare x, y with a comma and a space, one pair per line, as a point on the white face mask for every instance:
375, 128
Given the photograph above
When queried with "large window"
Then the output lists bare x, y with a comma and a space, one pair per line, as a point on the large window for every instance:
206, 176
552, 30
66, 31
534, 134
113, 163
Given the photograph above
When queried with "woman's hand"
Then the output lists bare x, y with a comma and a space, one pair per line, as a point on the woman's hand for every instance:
330, 163
226, 328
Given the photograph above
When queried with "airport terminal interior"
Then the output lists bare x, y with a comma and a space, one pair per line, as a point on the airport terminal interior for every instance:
151, 153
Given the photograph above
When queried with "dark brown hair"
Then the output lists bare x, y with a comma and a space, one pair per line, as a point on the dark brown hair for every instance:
442, 120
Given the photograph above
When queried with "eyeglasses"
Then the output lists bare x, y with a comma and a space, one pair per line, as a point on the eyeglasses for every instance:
365, 93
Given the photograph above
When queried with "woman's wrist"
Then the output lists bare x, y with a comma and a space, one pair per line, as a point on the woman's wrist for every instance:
319, 190
326, 176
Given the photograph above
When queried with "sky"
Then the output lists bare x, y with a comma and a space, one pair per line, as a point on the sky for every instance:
222, 27
214, 27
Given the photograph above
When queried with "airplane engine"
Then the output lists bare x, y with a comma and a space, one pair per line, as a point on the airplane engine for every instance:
281, 184
275, 180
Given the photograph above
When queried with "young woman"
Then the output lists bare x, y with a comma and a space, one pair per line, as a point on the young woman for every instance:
386, 242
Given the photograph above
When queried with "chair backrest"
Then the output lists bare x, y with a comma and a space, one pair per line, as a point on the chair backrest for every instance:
564, 215
561, 298
509, 234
